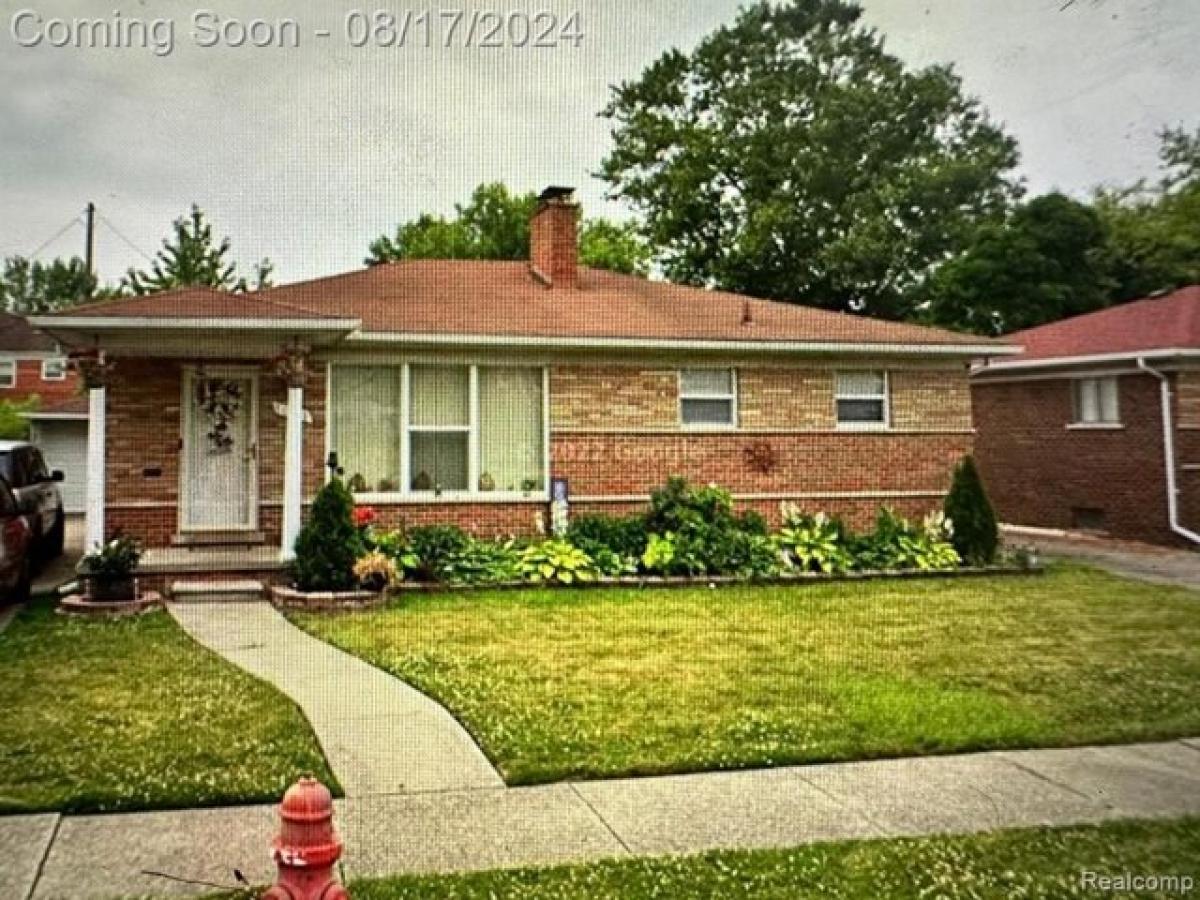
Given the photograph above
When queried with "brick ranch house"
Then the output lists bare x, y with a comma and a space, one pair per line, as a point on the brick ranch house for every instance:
1096, 425
453, 391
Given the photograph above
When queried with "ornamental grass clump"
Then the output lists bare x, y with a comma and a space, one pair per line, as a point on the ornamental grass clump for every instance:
329, 543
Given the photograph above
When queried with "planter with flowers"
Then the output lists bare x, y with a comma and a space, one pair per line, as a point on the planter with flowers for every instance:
110, 586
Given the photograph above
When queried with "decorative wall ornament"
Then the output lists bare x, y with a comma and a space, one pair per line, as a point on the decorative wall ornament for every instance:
93, 366
219, 401
291, 364
761, 457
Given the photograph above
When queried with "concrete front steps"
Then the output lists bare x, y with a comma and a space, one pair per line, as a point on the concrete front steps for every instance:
229, 591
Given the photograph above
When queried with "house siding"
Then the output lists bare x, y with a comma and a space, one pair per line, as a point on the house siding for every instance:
615, 435
29, 383
1041, 473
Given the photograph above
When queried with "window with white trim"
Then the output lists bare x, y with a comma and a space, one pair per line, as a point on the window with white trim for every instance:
54, 369
431, 429
8, 373
708, 397
861, 398
1097, 401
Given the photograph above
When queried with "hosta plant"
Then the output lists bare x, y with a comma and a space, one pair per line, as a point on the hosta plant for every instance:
556, 560
814, 543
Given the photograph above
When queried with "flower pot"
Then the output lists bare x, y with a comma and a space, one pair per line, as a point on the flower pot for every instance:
118, 589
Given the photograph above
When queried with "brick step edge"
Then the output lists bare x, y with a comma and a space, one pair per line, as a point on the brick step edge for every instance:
290, 598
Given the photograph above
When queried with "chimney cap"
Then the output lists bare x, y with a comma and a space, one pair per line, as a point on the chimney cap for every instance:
557, 193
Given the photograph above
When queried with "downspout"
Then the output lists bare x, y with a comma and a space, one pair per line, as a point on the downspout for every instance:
1164, 390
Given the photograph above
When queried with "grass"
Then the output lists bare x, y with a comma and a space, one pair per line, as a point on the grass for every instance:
133, 714
600, 683
1034, 863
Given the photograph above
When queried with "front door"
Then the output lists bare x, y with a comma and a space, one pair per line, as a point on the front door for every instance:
219, 472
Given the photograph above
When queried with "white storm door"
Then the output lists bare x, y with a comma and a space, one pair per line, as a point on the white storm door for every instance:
220, 466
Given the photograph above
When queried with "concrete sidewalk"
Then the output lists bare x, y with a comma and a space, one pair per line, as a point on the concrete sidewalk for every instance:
379, 735
86, 857
1178, 567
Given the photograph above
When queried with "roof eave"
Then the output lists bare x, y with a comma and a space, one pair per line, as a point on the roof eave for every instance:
181, 323
1052, 363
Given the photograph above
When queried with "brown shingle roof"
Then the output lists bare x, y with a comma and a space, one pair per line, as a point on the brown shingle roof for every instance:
503, 298
193, 303
17, 335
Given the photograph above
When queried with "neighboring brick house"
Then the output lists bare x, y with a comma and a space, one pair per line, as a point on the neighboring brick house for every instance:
454, 391
32, 364
1096, 425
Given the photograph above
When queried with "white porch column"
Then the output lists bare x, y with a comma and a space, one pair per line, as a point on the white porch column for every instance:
292, 364
94, 515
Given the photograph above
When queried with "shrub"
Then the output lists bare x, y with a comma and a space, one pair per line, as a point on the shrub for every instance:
376, 571
434, 546
623, 535
482, 562
556, 560
974, 520
705, 536
13, 426
898, 544
329, 543
814, 543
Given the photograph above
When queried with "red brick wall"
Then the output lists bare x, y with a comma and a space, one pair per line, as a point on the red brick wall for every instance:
1037, 470
29, 382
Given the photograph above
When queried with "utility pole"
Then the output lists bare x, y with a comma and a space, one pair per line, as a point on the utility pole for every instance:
89, 250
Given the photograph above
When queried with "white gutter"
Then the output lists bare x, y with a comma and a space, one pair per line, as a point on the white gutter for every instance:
1054, 362
124, 323
1164, 386
606, 343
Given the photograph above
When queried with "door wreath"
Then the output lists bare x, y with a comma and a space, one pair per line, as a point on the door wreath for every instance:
219, 400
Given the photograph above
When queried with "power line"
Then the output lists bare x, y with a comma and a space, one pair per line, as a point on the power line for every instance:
50, 240
130, 244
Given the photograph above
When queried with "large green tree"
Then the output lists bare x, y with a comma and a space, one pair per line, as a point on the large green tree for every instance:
1048, 261
789, 156
192, 257
28, 286
1155, 227
494, 224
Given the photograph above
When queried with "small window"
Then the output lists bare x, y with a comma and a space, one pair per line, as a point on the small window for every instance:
8, 373
708, 397
54, 369
861, 399
1096, 401
439, 429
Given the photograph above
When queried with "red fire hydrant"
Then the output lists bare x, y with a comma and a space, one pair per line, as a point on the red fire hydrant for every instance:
307, 846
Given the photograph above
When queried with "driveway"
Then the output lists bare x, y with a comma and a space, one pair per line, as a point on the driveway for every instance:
1146, 562
62, 570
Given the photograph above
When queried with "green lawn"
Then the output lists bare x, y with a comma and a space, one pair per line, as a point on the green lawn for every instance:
598, 683
1036, 863
133, 714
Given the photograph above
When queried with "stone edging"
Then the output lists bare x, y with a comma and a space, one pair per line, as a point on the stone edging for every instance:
78, 605
663, 581
290, 598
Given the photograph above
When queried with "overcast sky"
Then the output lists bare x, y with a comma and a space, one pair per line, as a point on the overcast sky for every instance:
304, 155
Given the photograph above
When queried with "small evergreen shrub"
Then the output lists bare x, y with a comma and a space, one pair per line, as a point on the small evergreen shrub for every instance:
329, 543
967, 506
623, 535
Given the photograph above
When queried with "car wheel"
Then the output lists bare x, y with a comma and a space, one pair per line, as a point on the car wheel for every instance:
56, 537
24, 585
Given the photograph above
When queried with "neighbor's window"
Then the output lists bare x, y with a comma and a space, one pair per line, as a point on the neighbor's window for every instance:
708, 397
861, 399
1096, 401
434, 429
54, 369
8, 373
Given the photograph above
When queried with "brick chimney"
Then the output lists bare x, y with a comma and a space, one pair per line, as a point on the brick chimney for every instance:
553, 243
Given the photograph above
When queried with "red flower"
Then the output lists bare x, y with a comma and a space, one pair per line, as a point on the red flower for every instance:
364, 516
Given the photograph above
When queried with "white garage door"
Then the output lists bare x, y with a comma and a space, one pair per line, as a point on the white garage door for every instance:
64, 444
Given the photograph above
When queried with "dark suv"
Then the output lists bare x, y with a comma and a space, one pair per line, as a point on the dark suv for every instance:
38, 497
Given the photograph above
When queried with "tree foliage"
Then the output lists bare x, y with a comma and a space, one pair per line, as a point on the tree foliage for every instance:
1048, 261
494, 224
28, 287
328, 544
192, 257
1155, 227
789, 156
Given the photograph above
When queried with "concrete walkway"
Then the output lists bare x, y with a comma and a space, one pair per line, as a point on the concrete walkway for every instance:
380, 735
1178, 567
100, 857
